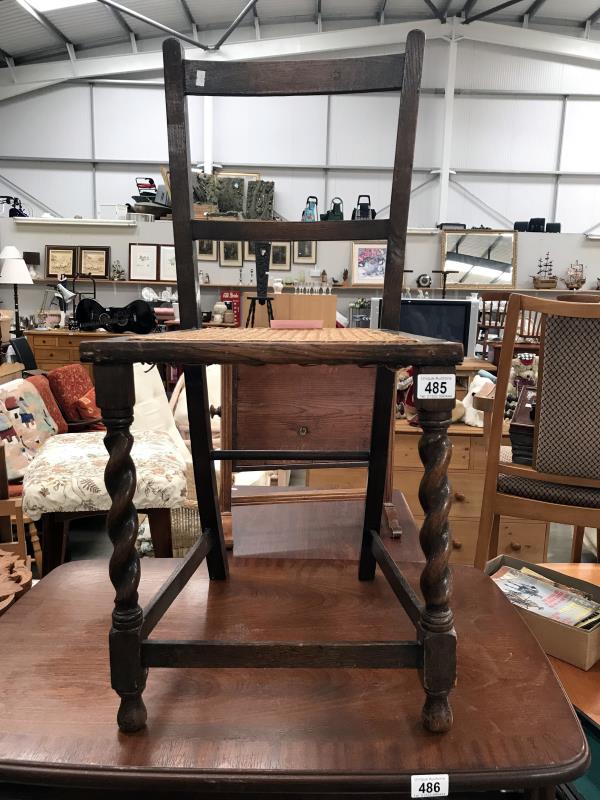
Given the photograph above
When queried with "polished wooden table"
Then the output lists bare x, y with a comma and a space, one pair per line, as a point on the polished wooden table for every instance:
301, 733
583, 688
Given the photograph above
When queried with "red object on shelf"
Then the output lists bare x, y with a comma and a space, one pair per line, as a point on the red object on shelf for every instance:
233, 296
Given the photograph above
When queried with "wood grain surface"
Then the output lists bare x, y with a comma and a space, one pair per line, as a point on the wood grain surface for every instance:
276, 730
256, 346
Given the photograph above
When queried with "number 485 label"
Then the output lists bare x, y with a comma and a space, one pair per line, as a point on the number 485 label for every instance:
429, 785
436, 387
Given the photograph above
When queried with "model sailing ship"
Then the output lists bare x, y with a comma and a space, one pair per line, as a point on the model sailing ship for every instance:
545, 278
575, 278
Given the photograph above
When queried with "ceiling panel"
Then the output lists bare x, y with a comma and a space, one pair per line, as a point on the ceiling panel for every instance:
558, 9
279, 10
221, 13
82, 24
20, 33
169, 12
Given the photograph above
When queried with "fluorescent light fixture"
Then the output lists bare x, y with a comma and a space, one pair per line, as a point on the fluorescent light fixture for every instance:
53, 5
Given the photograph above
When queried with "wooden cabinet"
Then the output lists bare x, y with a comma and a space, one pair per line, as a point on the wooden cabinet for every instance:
293, 306
522, 538
56, 348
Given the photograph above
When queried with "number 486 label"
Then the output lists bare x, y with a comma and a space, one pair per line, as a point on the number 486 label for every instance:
435, 387
429, 785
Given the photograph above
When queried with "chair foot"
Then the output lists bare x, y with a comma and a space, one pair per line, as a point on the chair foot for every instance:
132, 714
437, 714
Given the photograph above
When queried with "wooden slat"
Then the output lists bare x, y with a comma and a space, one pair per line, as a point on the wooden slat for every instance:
269, 78
251, 655
524, 471
398, 583
298, 455
273, 231
256, 346
161, 601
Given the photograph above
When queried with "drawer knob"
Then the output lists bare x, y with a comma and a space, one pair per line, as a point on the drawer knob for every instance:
456, 544
459, 497
215, 412
302, 430
515, 546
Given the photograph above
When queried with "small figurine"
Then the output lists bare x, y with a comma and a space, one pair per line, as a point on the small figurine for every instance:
117, 273
575, 278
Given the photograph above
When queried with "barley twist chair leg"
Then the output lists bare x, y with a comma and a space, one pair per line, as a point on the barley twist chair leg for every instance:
115, 393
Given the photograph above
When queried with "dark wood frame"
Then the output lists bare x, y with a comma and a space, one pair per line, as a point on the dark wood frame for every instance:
95, 248
215, 257
221, 247
278, 267
434, 648
143, 244
296, 259
49, 248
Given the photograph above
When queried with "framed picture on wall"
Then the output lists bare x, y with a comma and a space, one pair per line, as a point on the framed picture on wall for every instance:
167, 267
94, 261
60, 260
230, 254
280, 257
305, 253
249, 251
207, 250
143, 262
368, 263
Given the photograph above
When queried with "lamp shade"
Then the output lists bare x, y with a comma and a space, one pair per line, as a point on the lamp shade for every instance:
10, 251
14, 270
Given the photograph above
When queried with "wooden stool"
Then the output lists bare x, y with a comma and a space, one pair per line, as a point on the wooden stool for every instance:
252, 309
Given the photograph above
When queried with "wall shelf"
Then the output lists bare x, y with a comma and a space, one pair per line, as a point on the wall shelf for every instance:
91, 223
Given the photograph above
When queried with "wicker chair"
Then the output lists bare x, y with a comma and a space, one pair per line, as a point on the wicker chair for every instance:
563, 483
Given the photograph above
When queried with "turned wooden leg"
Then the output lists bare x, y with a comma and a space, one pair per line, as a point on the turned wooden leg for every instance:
159, 520
437, 621
54, 541
115, 396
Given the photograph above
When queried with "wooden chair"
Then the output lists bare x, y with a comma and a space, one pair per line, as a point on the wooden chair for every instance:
16, 527
563, 484
527, 339
491, 317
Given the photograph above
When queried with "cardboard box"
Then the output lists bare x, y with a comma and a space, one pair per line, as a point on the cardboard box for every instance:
6, 318
573, 645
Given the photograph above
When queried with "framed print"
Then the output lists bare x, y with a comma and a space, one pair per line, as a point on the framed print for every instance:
230, 254
60, 260
143, 262
94, 261
305, 253
167, 269
207, 250
280, 257
368, 263
249, 251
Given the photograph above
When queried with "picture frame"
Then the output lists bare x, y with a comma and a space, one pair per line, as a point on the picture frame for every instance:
143, 262
368, 263
167, 265
60, 260
305, 252
249, 251
230, 254
281, 257
93, 261
207, 250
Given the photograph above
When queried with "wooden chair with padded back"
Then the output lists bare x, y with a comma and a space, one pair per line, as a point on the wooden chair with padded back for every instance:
563, 484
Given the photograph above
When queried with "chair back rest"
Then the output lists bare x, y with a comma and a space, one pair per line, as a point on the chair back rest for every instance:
24, 352
568, 400
567, 422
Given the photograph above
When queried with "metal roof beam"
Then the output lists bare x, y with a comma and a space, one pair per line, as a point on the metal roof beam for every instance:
120, 19
534, 8
593, 18
188, 12
380, 14
318, 19
256, 23
493, 10
467, 8
434, 10
45, 23
148, 21
248, 7
444, 10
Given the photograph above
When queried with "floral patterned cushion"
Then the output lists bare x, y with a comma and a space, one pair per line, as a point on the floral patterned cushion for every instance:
67, 474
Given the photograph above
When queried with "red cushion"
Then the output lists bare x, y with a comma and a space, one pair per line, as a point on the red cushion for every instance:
68, 384
41, 384
87, 409
15, 489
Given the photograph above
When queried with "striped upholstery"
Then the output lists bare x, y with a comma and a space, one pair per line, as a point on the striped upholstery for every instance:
569, 399
544, 491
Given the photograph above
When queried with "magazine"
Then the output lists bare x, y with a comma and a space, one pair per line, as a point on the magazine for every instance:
541, 596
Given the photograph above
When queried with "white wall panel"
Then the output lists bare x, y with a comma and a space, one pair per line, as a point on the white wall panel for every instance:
270, 130
348, 185
513, 196
580, 149
130, 123
292, 189
115, 185
506, 133
55, 124
65, 188
363, 130
578, 205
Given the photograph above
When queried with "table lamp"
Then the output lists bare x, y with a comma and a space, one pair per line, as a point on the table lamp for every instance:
13, 269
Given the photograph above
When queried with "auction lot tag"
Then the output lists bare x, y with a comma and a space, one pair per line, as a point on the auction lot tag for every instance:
429, 785
435, 387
